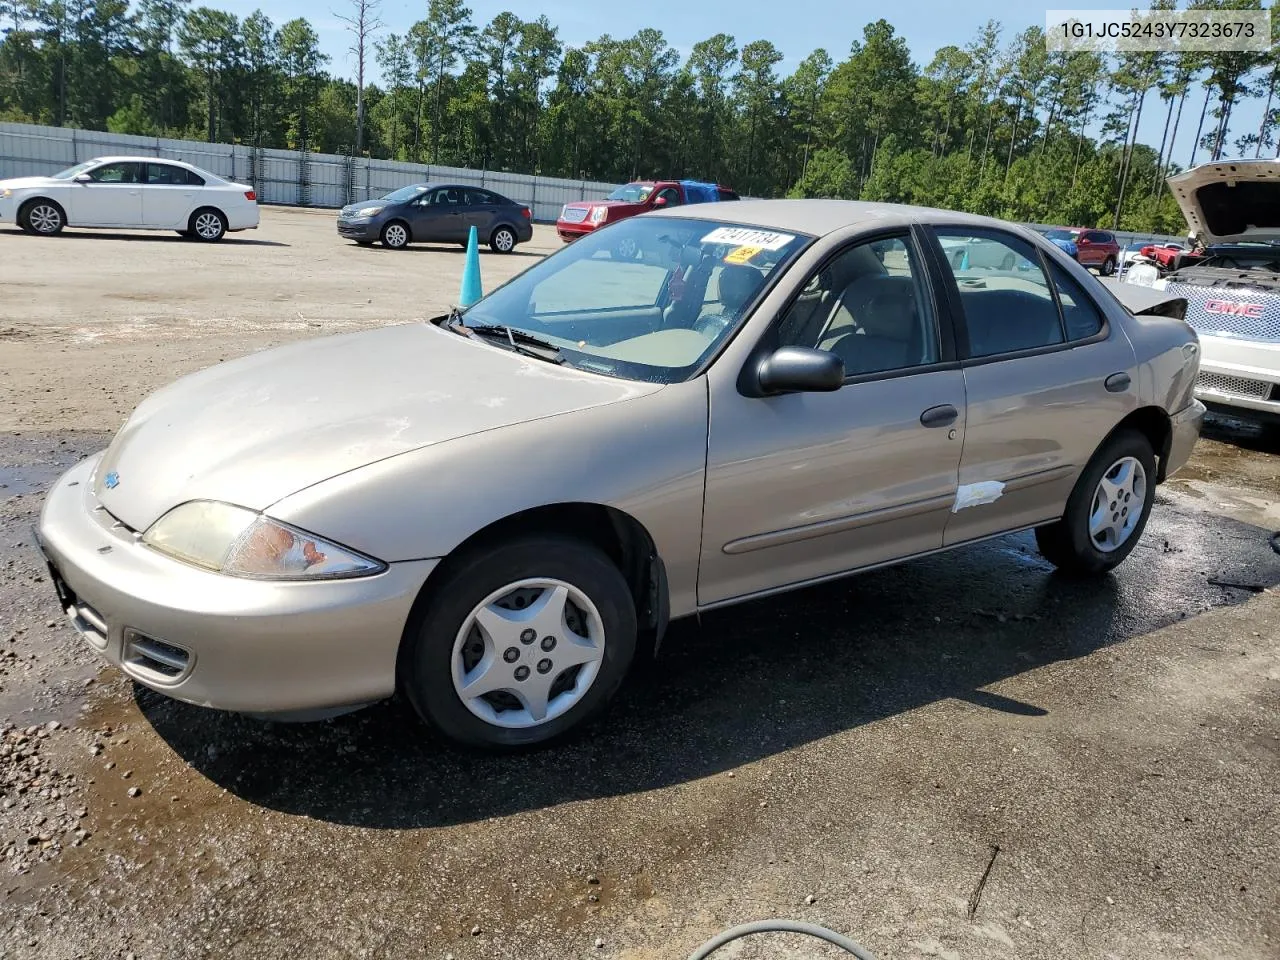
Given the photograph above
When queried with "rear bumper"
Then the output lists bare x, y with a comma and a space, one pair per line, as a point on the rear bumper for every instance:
246, 645
1243, 375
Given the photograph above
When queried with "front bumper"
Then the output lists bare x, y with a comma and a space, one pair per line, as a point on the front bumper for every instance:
572, 231
1185, 431
358, 229
1243, 375
246, 645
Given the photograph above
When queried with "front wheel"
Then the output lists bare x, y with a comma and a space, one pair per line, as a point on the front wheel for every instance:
1107, 511
395, 235
503, 240
42, 217
521, 643
208, 225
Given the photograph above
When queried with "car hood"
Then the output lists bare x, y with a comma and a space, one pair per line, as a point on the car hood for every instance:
18, 183
257, 429
352, 208
588, 204
1230, 201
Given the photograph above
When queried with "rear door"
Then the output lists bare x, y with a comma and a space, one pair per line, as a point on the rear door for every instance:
1046, 378
481, 212
111, 198
168, 196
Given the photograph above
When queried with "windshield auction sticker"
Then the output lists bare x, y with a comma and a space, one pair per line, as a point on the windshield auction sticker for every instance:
741, 254
1122, 31
743, 237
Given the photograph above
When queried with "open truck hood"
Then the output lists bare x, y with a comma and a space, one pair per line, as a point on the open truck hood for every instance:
1230, 201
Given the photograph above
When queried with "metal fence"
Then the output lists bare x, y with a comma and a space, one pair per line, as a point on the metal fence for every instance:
291, 177
301, 178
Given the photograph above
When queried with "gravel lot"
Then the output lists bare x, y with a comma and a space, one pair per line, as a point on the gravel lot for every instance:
859, 754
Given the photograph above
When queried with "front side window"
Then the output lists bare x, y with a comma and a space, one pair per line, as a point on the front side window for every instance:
869, 306
121, 172
1007, 302
646, 299
671, 195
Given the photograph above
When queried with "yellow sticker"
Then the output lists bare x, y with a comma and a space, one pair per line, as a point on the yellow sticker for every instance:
741, 254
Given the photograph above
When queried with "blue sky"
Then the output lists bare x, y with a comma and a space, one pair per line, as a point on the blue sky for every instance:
796, 27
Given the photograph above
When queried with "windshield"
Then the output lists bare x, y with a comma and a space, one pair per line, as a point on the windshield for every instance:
405, 193
645, 299
70, 172
1068, 235
632, 193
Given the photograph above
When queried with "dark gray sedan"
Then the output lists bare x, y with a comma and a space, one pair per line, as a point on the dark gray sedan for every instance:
437, 213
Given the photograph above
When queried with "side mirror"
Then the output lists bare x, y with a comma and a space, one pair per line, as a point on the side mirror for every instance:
83, 178
800, 370
660, 201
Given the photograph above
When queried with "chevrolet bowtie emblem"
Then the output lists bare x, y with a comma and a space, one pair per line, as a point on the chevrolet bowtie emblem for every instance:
111, 480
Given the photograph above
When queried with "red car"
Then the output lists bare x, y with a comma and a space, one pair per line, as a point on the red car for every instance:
577, 219
1097, 248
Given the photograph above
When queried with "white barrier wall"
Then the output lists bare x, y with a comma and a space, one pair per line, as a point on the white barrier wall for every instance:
280, 176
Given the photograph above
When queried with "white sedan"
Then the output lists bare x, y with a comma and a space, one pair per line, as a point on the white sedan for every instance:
134, 193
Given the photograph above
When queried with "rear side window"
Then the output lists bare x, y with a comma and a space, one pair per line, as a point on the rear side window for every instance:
1006, 298
166, 175
194, 179
481, 197
1080, 315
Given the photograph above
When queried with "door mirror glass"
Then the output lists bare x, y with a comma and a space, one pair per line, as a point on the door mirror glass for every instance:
800, 369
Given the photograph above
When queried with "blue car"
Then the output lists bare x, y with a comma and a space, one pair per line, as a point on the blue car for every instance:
1064, 240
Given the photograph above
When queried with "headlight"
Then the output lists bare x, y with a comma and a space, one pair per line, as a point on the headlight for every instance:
368, 211
598, 214
243, 543
6, 193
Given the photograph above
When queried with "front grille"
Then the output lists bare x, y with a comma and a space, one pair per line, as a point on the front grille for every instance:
154, 659
1220, 321
1234, 386
573, 214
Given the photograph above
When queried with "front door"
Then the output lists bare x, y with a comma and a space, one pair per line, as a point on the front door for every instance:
437, 216
1045, 377
808, 485
112, 196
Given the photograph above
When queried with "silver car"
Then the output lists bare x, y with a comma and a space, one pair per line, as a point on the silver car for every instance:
494, 512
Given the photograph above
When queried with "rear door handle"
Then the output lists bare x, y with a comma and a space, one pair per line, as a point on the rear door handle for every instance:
940, 416
1117, 383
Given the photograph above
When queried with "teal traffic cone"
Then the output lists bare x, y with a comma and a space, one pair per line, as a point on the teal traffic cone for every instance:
471, 291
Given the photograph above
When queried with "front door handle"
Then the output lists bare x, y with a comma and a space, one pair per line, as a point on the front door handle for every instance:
1117, 383
940, 416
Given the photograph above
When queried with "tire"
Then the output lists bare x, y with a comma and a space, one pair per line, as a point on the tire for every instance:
395, 235
503, 240
1007, 262
1072, 544
42, 217
208, 225
1108, 267
626, 249
445, 645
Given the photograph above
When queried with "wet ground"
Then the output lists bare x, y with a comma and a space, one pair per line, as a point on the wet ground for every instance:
1106, 755
868, 745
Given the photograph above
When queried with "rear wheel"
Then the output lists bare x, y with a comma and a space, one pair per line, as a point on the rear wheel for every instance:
42, 217
521, 643
1107, 511
503, 240
1108, 266
395, 235
208, 225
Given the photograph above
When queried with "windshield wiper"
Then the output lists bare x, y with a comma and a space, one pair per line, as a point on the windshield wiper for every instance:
520, 341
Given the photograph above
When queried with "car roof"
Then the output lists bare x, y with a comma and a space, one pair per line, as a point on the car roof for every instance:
821, 217
128, 159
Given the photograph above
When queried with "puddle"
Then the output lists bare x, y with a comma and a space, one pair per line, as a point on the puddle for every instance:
30, 478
